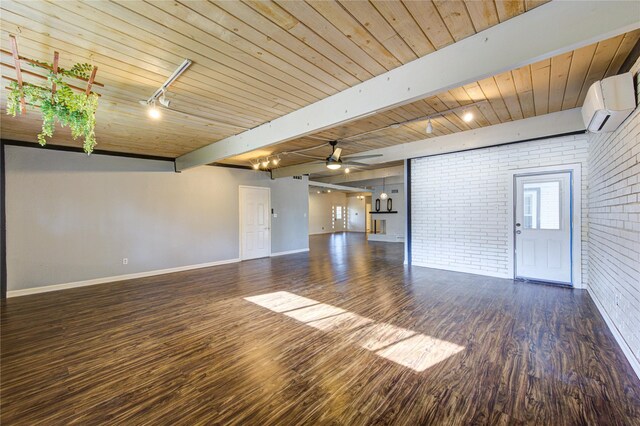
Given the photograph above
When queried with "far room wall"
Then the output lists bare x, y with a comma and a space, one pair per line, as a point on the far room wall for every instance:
356, 213
395, 222
73, 218
320, 209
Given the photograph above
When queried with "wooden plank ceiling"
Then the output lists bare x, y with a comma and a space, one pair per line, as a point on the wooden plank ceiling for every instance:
257, 60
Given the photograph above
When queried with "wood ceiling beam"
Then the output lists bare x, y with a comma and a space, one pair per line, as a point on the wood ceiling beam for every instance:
538, 127
337, 187
543, 126
364, 175
544, 32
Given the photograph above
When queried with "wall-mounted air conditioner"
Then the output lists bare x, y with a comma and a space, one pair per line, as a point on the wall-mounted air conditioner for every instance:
608, 103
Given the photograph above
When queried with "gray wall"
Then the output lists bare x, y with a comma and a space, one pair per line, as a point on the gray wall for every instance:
71, 217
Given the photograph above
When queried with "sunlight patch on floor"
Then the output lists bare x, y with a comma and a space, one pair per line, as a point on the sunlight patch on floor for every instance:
402, 346
281, 301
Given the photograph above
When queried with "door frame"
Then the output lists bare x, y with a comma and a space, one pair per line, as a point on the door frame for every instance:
240, 217
575, 171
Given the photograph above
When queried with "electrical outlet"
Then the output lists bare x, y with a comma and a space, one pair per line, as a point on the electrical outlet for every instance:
125, 260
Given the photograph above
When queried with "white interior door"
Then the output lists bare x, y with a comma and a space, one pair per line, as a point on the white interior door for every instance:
255, 224
543, 227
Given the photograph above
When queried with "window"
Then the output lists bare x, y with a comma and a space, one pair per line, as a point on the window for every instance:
541, 209
333, 217
339, 212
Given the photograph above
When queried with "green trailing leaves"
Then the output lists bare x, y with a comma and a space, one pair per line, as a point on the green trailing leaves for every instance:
69, 108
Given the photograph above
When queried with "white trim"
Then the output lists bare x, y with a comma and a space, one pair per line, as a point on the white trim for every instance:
241, 211
616, 334
462, 269
576, 233
283, 253
104, 280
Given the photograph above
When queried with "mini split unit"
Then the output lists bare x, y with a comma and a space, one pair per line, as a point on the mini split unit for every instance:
608, 103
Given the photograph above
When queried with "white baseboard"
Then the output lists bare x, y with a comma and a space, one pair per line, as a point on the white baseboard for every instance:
616, 334
56, 287
282, 253
464, 270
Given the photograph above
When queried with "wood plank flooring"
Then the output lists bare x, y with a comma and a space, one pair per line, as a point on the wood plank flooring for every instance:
200, 347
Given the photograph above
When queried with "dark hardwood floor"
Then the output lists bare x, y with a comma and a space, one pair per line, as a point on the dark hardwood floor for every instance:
344, 335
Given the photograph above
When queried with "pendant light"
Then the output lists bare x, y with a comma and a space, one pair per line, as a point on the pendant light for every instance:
383, 195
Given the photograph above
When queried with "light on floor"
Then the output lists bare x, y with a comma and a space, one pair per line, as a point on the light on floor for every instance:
404, 347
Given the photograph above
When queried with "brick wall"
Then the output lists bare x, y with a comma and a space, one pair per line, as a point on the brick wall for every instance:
461, 209
614, 229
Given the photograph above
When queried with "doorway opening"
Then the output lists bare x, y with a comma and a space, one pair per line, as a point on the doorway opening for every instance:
543, 227
255, 222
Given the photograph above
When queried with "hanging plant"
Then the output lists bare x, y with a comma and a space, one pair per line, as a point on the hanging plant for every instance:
69, 108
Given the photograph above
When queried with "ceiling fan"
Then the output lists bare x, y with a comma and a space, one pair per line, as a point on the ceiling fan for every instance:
334, 161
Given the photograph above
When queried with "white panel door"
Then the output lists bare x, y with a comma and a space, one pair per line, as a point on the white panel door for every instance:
543, 227
255, 226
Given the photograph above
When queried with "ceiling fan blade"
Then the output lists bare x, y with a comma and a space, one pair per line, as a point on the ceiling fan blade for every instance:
355, 163
336, 154
362, 157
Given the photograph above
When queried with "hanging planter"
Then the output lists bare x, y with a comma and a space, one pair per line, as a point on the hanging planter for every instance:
57, 100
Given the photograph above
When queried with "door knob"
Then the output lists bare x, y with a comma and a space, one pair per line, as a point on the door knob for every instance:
517, 224
518, 232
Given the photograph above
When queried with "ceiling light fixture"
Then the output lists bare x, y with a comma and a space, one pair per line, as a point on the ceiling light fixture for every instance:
347, 170
265, 163
276, 161
159, 94
429, 127
164, 101
467, 116
383, 194
255, 166
333, 165
154, 111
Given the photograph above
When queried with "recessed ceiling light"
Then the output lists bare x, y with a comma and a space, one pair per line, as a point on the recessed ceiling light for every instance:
467, 116
347, 170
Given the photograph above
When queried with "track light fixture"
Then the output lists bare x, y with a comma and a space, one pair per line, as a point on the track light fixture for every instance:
154, 111
264, 163
159, 94
467, 116
164, 101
